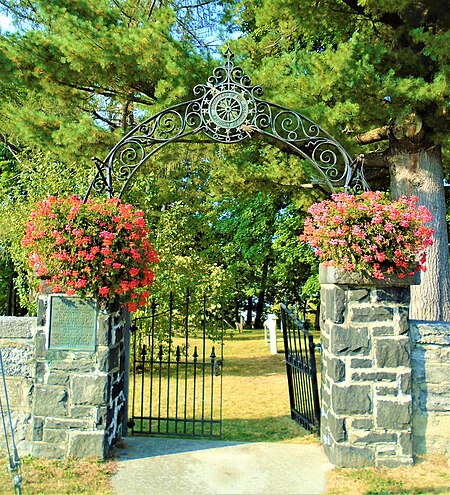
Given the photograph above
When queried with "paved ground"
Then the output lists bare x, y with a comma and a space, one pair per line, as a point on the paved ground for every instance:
161, 466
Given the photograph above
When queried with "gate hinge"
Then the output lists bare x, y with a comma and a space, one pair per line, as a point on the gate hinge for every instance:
318, 347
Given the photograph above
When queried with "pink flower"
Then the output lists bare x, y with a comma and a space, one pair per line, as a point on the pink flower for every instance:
362, 231
114, 229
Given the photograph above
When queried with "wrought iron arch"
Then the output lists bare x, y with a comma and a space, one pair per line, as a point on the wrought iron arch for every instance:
228, 109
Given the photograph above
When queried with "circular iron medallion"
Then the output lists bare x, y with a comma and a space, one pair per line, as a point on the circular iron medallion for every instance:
228, 109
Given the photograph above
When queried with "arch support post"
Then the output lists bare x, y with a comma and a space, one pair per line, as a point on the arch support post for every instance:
366, 369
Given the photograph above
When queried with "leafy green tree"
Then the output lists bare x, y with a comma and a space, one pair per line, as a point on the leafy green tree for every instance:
375, 74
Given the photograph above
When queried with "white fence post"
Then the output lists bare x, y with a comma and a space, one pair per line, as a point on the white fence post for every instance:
271, 324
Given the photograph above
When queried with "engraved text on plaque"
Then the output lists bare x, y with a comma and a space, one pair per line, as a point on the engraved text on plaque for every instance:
73, 324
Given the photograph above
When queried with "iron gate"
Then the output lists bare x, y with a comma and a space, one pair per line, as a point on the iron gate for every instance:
299, 349
176, 369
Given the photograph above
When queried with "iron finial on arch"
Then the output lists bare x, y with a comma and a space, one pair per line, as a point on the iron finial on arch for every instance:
228, 109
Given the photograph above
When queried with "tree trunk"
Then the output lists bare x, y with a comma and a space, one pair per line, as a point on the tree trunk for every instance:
420, 173
249, 321
262, 294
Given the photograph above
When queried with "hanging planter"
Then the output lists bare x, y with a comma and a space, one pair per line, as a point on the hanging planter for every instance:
369, 235
95, 249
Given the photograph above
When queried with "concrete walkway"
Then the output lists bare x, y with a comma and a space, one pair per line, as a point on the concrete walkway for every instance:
162, 466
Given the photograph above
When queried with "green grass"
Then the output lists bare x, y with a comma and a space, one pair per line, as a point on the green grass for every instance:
430, 476
66, 477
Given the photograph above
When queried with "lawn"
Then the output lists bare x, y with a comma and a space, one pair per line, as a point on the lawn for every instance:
255, 401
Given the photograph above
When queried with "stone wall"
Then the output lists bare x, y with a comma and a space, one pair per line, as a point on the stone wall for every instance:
72, 403
366, 370
430, 343
17, 345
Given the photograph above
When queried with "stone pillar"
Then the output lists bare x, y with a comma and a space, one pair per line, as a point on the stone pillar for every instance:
430, 343
78, 398
366, 369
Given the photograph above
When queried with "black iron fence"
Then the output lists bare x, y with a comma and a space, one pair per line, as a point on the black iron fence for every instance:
301, 368
176, 369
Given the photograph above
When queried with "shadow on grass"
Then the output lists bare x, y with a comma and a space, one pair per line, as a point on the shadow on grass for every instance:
275, 429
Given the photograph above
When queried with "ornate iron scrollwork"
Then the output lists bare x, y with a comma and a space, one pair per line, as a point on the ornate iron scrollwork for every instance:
228, 109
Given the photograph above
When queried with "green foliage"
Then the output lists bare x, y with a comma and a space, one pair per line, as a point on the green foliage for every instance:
350, 65
85, 71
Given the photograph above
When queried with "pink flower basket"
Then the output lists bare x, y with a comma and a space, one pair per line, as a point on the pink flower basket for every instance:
98, 249
370, 234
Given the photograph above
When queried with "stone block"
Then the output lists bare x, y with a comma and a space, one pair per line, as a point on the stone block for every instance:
50, 401
405, 442
70, 363
334, 304
40, 372
19, 393
102, 358
337, 275
88, 389
336, 427
350, 457
17, 327
40, 344
394, 415
391, 294
335, 369
367, 314
438, 398
393, 461
427, 332
392, 352
103, 335
100, 414
361, 363
349, 341
82, 412
402, 326
86, 444
437, 373
55, 436
48, 450
362, 423
374, 376
37, 429
384, 330
57, 378
351, 399
406, 383
360, 295
67, 424
383, 391
375, 437
16, 359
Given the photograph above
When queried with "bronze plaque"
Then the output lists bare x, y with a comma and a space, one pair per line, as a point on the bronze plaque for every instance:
73, 324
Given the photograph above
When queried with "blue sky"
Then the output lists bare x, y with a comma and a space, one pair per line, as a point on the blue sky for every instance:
5, 22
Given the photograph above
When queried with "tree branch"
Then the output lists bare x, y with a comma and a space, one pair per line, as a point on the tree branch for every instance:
374, 135
389, 18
